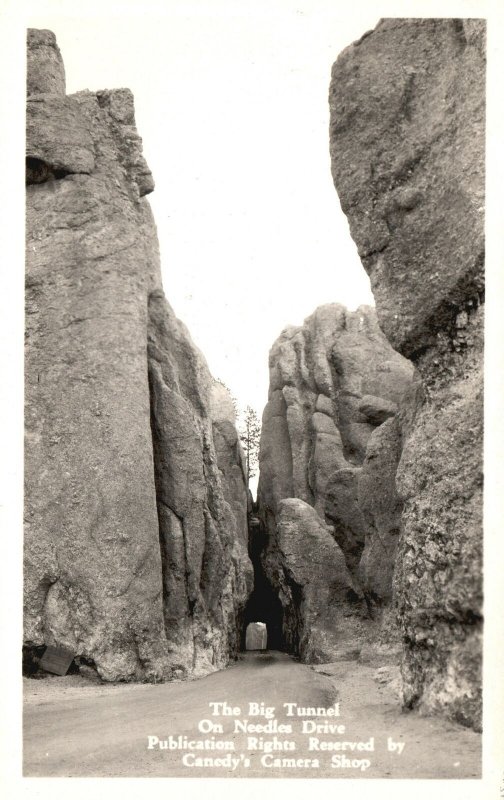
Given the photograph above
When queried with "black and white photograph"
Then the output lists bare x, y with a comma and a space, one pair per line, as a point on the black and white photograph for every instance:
247, 500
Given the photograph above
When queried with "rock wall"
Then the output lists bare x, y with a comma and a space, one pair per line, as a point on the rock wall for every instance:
330, 438
323, 608
407, 146
135, 545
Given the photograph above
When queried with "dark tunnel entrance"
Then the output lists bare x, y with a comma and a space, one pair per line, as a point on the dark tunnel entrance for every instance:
263, 604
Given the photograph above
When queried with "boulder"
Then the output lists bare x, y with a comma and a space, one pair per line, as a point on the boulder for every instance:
323, 609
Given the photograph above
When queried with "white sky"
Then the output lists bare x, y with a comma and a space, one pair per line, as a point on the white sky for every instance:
231, 103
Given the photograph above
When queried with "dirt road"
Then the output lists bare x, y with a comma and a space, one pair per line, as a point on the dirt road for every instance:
74, 727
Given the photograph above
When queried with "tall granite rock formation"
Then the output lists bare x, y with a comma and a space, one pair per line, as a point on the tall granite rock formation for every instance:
330, 439
135, 543
407, 146
323, 609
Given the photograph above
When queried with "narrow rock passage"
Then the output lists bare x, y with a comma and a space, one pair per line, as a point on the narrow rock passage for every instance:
102, 730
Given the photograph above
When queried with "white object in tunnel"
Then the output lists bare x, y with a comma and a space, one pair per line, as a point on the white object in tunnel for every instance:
256, 637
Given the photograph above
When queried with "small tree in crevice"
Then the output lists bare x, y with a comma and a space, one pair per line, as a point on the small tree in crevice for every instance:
249, 431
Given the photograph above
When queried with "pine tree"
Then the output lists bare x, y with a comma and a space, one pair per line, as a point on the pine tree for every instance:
250, 434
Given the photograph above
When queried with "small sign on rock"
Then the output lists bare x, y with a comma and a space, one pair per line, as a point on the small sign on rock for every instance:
56, 660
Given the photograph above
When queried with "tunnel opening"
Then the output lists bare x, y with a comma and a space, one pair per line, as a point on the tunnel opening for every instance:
263, 605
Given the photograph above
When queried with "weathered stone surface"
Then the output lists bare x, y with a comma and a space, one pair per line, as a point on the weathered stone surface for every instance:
209, 563
332, 382
230, 458
323, 609
57, 133
133, 556
377, 409
276, 459
314, 433
381, 508
45, 69
407, 144
439, 566
342, 509
93, 569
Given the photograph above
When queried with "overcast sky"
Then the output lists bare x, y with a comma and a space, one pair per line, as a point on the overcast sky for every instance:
231, 103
